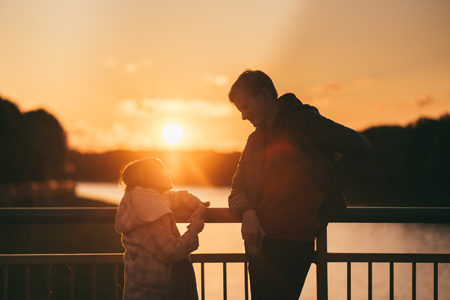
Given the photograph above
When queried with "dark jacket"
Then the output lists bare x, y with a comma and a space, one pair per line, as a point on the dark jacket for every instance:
331, 153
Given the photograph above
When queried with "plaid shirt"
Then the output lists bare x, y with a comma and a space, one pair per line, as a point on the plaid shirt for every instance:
152, 241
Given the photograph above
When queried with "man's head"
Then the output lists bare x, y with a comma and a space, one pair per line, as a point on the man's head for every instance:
254, 95
253, 82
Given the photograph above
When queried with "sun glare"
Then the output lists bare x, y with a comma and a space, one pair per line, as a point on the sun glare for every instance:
172, 133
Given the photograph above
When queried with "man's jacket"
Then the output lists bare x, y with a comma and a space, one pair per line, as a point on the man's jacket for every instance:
332, 155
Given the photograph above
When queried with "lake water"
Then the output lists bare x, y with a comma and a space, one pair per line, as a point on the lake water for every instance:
359, 238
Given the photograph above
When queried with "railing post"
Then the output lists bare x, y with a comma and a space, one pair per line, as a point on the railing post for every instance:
322, 266
27, 282
116, 282
225, 292
203, 279
94, 281
5, 282
436, 277
72, 281
49, 281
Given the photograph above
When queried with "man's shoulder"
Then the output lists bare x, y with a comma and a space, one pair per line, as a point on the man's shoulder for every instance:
255, 140
302, 115
256, 134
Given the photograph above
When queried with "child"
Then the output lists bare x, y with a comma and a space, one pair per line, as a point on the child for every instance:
156, 259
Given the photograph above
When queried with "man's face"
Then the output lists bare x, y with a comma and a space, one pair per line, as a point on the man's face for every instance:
253, 108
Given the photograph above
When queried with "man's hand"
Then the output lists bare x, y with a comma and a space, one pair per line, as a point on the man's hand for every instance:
251, 230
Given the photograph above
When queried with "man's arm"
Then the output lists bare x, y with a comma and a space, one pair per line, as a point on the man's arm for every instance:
353, 147
239, 199
251, 229
240, 204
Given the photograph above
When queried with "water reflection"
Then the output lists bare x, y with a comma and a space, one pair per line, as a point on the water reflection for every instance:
362, 238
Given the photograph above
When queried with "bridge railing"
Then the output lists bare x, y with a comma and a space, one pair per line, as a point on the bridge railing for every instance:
219, 215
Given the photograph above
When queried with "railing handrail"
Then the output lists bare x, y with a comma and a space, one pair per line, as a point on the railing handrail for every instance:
60, 258
27, 215
104, 258
22, 215
393, 215
54, 215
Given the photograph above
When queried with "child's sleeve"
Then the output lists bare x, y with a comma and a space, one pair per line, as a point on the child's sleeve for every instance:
182, 199
160, 241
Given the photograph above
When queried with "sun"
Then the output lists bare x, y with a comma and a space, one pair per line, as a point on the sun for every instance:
172, 133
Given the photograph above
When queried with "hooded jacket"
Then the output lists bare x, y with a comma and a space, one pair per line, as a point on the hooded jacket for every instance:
331, 153
152, 241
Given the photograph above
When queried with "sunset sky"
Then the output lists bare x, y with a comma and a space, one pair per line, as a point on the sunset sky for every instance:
115, 73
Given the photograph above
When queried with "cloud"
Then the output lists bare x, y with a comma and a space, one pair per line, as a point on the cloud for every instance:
425, 101
84, 136
362, 82
336, 87
147, 62
145, 108
321, 102
219, 80
111, 63
130, 67
131, 107
422, 104
332, 88
386, 108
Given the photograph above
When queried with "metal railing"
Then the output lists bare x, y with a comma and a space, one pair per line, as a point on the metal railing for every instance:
439, 215
221, 215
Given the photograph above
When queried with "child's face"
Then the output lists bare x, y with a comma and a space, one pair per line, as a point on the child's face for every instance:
161, 179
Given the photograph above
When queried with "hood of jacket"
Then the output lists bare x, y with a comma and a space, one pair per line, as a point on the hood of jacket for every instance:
138, 207
289, 103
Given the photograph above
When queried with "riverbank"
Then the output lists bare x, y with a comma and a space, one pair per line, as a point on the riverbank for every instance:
46, 194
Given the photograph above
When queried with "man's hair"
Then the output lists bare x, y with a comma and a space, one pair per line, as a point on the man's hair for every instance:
253, 81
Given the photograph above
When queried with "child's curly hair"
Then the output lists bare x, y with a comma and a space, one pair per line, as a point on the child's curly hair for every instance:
131, 175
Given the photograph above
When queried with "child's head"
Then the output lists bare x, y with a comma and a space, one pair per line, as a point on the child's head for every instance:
147, 173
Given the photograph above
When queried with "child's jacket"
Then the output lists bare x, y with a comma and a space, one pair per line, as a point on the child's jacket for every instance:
152, 240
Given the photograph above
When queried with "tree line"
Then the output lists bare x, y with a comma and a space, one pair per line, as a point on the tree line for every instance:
408, 165
33, 145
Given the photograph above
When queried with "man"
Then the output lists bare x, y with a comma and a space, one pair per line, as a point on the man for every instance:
292, 173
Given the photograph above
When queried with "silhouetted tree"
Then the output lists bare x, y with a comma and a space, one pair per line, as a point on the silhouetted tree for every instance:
12, 150
433, 138
387, 160
33, 145
423, 132
46, 145
437, 132
408, 165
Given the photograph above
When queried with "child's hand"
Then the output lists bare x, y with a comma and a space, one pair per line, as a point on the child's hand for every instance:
196, 225
199, 212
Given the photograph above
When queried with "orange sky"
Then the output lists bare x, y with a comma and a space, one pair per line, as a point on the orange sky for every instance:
116, 72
